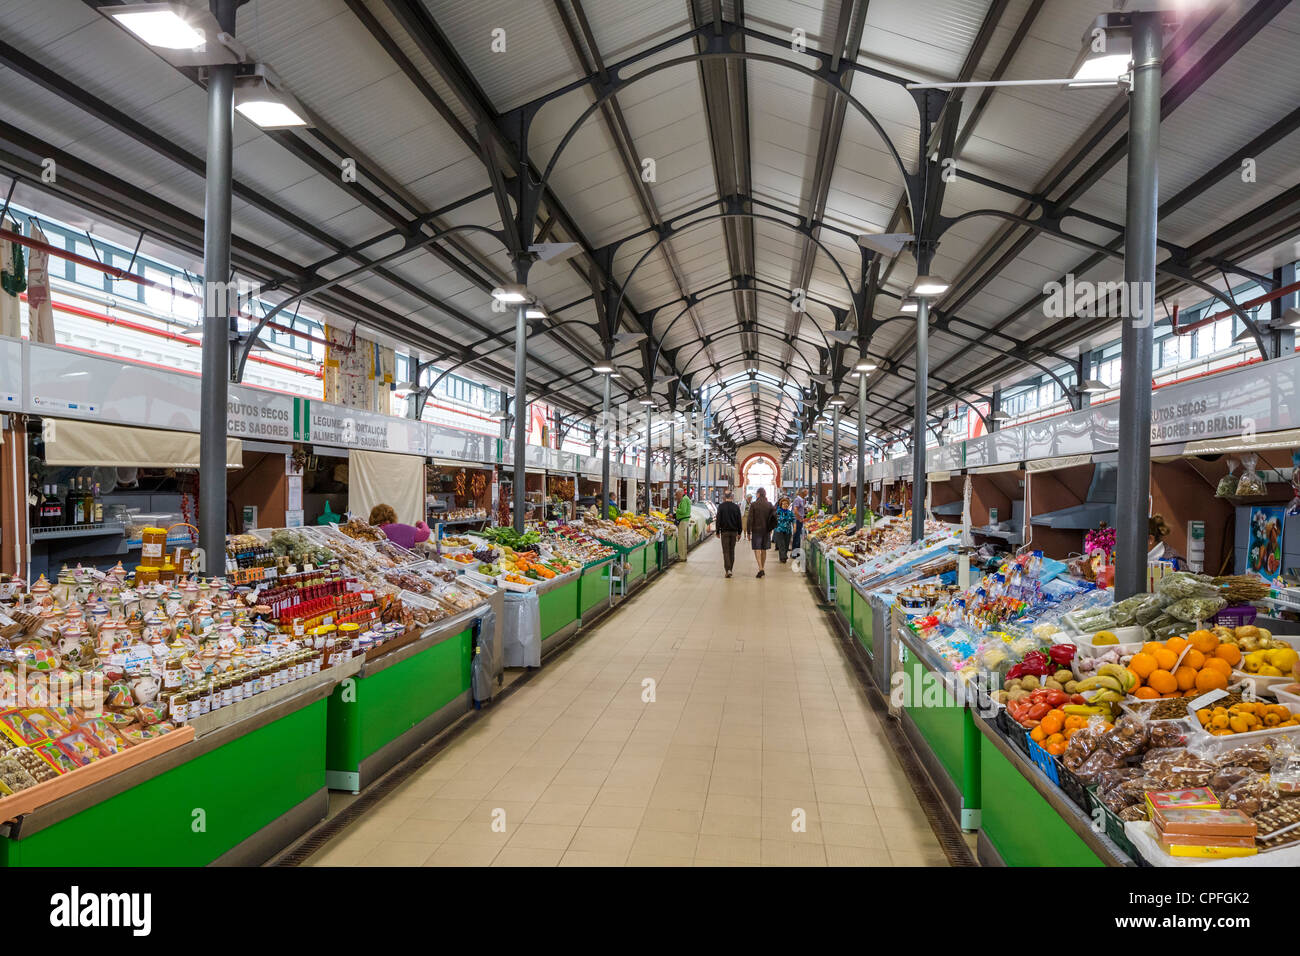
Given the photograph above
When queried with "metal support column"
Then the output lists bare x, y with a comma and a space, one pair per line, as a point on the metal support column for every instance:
601, 508
672, 461
1082, 369
835, 459
1134, 466
994, 407
521, 401
920, 411
649, 420
820, 472
218, 322
862, 450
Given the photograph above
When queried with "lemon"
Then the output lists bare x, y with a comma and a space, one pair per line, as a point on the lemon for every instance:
1104, 638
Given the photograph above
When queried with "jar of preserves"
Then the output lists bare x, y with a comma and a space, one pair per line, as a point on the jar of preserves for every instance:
153, 547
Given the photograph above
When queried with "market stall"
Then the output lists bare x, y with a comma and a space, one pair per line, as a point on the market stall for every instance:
458, 496
1055, 722
135, 691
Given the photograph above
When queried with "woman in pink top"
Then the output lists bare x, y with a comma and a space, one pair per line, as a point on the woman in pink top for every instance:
403, 535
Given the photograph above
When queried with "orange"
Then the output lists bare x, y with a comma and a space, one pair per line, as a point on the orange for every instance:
1150, 647
1136, 677
1193, 659
1177, 693
1176, 644
1211, 679
1204, 641
1186, 677
1228, 652
1142, 664
1145, 693
1165, 659
1162, 681
1037, 734
1219, 665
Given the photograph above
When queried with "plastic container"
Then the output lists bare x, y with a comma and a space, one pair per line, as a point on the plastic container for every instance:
1131, 640
1289, 698
1236, 615
1198, 738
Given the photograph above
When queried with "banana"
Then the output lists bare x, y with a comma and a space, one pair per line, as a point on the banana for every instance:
1126, 677
1104, 681
1086, 710
1108, 696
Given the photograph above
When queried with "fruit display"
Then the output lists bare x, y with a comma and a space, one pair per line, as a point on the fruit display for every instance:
1182, 666
574, 544
511, 538
361, 531
1245, 717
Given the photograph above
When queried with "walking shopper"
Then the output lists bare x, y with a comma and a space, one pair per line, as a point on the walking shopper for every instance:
611, 507
784, 526
683, 525
729, 529
800, 509
758, 525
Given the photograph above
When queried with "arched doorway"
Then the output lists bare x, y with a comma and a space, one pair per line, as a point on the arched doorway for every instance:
760, 471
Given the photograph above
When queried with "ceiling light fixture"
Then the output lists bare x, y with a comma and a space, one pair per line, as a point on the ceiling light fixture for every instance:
928, 286
908, 305
535, 312
259, 99
181, 35
604, 368
510, 293
1092, 385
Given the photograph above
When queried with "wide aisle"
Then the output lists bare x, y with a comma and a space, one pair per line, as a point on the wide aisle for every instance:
755, 715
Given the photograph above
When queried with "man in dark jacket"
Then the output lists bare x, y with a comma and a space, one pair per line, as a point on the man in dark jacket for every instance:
758, 525
729, 528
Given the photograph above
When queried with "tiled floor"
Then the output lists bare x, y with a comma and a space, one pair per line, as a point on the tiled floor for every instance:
757, 748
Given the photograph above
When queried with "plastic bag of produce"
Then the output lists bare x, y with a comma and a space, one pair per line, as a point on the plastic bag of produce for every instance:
1185, 584
1251, 796
1138, 609
1196, 609
1128, 738
1227, 486
1251, 483
1177, 767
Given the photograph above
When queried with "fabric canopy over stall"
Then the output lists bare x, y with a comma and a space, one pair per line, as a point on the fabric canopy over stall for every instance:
382, 478
121, 446
995, 469
1289, 438
1055, 464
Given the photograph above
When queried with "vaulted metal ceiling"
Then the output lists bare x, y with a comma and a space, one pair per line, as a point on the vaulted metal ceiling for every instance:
702, 195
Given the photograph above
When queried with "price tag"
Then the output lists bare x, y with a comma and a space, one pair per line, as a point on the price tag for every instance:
367, 595
1205, 700
291, 569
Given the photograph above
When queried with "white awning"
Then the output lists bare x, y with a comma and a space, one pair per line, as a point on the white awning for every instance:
1289, 438
452, 463
938, 476
994, 469
84, 444
1054, 464
379, 477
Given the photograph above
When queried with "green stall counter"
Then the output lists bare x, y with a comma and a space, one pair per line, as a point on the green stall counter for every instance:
400, 700
863, 620
1027, 821
247, 786
558, 600
844, 598
593, 587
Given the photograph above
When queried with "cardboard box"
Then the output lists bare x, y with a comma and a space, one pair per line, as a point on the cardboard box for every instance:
1194, 798
1221, 852
1203, 823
